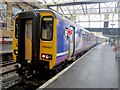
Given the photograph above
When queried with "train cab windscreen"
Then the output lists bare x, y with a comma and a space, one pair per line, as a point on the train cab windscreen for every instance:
47, 28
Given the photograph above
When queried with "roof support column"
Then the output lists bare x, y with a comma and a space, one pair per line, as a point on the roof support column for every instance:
89, 21
57, 8
9, 15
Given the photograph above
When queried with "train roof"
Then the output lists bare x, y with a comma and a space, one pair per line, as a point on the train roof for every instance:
56, 14
60, 16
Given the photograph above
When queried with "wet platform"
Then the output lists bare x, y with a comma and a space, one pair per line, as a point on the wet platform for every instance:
97, 69
5, 47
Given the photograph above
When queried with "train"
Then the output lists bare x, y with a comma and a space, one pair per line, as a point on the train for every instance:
43, 39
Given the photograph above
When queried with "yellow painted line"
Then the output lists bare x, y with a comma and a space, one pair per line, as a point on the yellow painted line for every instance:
63, 71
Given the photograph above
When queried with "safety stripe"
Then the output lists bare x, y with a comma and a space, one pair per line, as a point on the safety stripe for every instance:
62, 53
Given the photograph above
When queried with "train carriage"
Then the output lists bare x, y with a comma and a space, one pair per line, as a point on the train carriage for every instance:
44, 39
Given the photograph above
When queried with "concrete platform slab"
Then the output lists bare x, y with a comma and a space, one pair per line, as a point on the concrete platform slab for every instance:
98, 69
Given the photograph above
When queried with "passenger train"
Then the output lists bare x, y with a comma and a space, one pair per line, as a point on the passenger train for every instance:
43, 39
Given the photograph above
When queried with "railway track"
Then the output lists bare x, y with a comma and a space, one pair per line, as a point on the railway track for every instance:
8, 68
9, 80
5, 63
9, 75
6, 57
28, 85
12, 81
33, 83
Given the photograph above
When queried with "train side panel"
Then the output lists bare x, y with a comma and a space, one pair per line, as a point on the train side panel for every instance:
62, 42
85, 41
88, 40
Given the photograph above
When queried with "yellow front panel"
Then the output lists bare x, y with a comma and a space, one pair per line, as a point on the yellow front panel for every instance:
28, 40
15, 42
14, 47
49, 47
28, 49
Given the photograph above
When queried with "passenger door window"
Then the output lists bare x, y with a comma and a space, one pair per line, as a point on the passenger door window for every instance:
28, 29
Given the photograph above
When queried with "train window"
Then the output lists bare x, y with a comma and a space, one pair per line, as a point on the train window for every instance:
84, 37
47, 28
79, 34
87, 39
28, 28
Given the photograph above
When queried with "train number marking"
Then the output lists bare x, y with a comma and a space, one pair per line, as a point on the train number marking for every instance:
49, 47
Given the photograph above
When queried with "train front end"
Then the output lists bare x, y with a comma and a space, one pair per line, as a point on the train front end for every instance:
34, 41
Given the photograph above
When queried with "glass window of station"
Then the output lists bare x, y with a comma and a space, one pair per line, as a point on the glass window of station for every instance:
3, 22
15, 9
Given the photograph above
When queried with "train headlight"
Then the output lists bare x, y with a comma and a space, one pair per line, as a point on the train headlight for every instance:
46, 56
29, 61
16, 52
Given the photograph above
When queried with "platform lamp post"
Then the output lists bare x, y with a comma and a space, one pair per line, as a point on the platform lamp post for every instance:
112, 25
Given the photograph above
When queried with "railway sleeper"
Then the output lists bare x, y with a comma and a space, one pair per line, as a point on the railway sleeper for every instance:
7, 57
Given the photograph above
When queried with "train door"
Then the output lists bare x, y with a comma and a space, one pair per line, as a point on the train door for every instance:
28, 37
72, 41
28, 40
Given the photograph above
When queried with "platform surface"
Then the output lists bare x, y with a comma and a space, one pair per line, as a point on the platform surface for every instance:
5, 47
98, 69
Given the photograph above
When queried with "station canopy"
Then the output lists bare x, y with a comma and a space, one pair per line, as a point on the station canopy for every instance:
76, 7
85, 11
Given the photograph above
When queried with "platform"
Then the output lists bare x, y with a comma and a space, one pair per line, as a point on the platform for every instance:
97, 69
5, 47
